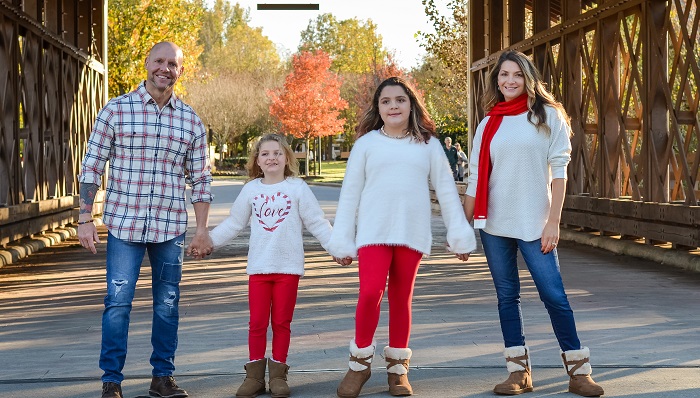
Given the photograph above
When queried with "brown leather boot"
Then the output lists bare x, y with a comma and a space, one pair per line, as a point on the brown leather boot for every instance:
397, 360
360, 370
520, 378
278, 379
579, 369
254, 383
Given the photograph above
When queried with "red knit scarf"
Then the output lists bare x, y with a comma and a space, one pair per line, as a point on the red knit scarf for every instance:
506, 108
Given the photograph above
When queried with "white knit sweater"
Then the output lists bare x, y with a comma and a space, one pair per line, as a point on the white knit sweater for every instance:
276, 213
385, 198
524, 163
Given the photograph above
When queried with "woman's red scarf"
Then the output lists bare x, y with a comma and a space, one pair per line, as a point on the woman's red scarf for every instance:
506, 108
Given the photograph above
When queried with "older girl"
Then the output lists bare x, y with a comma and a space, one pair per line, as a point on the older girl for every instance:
383, 217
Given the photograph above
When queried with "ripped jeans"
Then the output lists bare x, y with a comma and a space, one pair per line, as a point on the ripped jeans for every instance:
123, 265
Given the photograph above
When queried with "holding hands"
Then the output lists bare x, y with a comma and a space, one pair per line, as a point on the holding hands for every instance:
201, 245
343, 261
463, 256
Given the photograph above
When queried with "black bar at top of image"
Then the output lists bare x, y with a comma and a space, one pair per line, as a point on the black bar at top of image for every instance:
286, 7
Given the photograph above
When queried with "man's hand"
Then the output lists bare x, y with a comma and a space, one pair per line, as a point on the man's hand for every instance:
201, 245
87, 235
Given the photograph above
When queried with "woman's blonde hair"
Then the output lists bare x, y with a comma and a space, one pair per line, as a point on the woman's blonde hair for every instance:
537, 93
291, 167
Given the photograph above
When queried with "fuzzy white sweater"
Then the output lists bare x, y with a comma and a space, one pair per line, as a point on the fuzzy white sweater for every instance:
524, 163
276, 213
385, 198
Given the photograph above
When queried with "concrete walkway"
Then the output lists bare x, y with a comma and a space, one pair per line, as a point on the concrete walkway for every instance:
641, 321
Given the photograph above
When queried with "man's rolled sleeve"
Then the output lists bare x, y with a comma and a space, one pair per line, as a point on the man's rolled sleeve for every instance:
98, 149
198, 167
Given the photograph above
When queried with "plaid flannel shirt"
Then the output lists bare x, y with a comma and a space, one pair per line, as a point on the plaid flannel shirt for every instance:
152, 154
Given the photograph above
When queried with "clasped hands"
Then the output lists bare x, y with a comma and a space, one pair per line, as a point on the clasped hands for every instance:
201, 245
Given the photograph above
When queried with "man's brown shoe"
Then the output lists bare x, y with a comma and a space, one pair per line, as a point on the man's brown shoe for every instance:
165, 387
111, 390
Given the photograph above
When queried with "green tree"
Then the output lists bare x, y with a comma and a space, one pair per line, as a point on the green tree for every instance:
134, 26
214, 23
445, 101
239, 67
445, 70
231, 45
353, 45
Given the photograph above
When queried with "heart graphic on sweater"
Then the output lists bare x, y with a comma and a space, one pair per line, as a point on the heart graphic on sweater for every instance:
271, 210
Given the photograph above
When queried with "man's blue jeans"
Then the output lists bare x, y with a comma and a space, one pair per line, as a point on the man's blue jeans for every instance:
501, 255
123, 265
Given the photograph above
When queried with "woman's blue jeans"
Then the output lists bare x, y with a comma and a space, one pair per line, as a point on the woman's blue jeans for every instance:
501, 255
123, 266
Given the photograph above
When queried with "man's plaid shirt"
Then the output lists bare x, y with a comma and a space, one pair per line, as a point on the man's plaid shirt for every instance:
152, 153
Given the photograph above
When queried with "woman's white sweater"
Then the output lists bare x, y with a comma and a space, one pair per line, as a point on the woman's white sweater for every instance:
276, 213
524, 163
385, 198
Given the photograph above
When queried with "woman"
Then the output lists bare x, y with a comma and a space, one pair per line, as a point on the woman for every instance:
515, 195
383, 218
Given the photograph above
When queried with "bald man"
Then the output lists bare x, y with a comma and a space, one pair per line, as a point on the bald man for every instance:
155, 145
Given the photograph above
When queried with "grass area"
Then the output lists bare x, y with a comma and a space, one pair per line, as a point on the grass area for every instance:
331, 172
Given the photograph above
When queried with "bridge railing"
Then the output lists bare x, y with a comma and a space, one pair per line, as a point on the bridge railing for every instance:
678, 224
29, 219
654, 223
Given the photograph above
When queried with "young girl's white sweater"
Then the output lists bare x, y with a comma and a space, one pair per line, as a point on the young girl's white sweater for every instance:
385, 198
524, 161
276, 213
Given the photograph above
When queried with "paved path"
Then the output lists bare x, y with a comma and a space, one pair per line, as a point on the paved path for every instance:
641, 320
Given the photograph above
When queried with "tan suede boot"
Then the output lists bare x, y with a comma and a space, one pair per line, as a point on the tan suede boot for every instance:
360, 370
278, 379
520, 378
577, 365
254, 383
397, 360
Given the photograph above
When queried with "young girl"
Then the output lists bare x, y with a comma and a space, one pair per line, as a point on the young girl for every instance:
279, 204
383, 217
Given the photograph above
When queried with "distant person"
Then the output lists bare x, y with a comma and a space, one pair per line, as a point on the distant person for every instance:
383, 219
155, 144
277, 205
451, 153
462, 162
515, 196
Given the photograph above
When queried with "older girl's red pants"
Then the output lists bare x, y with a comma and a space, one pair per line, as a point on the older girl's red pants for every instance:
377, 263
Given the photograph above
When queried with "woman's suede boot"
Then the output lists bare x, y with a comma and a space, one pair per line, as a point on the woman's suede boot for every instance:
520, 378
278, 379
397, 370
360, 370
577, 365
254, 383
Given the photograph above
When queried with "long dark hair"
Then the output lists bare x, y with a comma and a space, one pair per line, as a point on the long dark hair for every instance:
420, 125
537, 93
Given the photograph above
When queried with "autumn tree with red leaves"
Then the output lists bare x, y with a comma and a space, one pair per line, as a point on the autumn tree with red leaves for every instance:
309, 104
